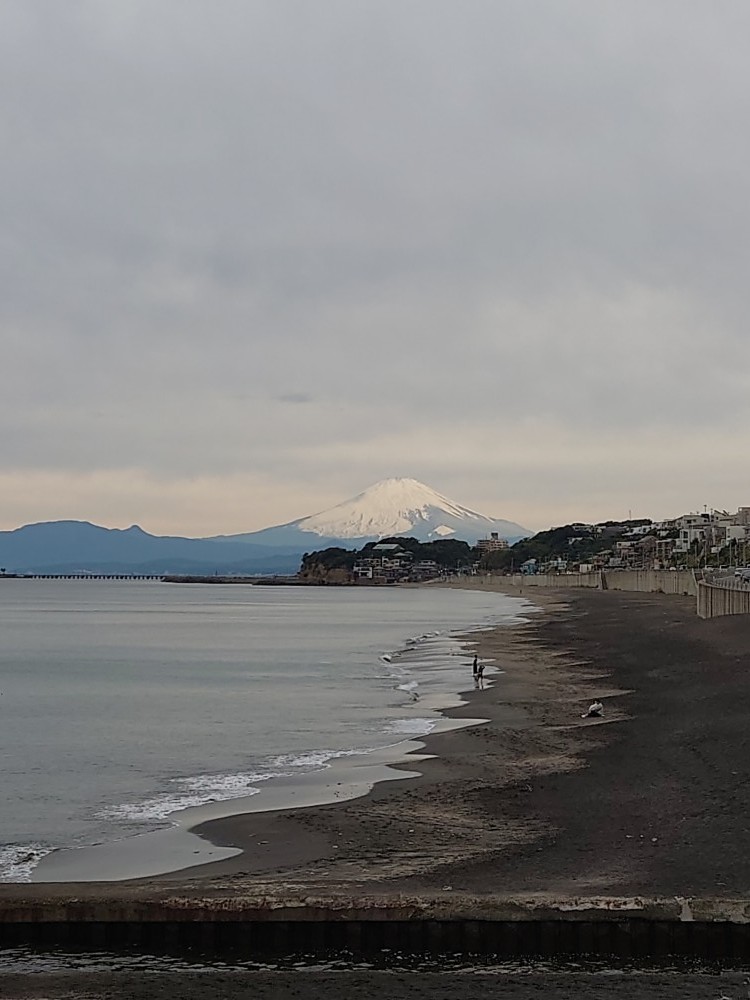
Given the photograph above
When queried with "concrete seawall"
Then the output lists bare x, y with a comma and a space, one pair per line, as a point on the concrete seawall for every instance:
652, 581
591, 580
635, 927
641, 581
715, 600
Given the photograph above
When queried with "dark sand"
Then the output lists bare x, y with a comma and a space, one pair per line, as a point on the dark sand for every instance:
654, 799
368, 985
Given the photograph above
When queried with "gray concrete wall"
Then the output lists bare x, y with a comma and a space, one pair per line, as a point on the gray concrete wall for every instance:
712, 599
635, 926
716, 599
592, 580
642, 581
652, 581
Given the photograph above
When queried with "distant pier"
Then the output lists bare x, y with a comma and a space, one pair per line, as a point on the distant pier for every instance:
82, 576
278, 581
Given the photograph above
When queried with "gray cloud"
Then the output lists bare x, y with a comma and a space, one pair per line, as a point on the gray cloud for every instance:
296, 397
427, 222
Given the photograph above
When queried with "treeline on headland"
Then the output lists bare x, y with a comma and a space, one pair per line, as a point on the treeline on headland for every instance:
335, 564
575, 543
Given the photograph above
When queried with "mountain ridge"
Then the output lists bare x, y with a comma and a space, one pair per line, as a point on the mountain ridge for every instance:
389, 508
80, 546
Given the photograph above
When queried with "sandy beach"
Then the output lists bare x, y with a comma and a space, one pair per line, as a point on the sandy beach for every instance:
653, 799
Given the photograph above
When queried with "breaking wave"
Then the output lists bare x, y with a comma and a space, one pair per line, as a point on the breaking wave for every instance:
17, 861
188, 793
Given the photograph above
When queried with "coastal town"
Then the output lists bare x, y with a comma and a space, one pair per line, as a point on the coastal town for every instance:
691, 541
711, 539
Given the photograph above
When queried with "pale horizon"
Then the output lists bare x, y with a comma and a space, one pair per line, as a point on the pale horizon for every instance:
190, 521
259, 256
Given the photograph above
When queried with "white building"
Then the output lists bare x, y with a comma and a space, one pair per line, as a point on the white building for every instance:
492, 544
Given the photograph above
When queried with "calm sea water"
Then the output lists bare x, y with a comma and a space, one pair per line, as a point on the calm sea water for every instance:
124, 702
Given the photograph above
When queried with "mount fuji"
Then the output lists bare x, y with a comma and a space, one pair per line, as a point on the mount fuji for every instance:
390, 507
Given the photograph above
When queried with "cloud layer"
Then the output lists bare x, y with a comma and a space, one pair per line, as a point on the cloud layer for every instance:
258, 255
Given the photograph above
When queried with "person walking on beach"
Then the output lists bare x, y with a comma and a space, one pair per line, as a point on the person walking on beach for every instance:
477, 669
480, 675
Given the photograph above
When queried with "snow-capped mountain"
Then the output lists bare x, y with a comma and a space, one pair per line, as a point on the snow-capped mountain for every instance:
390, 507
404, 507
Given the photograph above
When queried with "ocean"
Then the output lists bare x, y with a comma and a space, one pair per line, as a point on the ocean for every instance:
122, 703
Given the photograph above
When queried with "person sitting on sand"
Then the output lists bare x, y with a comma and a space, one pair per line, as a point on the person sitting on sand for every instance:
596, 710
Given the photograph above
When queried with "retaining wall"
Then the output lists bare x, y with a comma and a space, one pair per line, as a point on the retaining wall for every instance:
652, 581
712, 599
591, 580
715, 600
635, 927
643, 581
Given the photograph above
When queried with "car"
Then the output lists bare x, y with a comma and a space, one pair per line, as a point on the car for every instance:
743, 573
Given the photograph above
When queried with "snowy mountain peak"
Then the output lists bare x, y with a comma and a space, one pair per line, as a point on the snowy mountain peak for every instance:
404, 507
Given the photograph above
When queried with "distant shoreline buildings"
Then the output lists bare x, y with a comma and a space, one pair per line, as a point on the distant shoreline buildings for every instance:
689, 541
493, 544
712, 538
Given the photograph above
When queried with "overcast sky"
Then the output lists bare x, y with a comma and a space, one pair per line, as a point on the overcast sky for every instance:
259, 254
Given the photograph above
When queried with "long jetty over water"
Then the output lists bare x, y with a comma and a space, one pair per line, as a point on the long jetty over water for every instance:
272, 925
84, 576
279, 581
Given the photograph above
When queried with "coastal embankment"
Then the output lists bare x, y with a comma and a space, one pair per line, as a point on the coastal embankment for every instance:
642, 581
717, 594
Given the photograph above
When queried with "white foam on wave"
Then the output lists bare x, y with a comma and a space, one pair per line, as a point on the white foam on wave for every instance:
198, 790
229, 785
17, 861
408, 686
411, 727
414, 640
394, 671
315, 759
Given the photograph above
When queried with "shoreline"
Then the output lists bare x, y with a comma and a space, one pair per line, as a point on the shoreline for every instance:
550, 836
280, 826
538, 801
212, 838
536, 804
299, 841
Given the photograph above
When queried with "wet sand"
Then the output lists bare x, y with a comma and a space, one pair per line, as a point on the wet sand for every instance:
654, 799
178, 848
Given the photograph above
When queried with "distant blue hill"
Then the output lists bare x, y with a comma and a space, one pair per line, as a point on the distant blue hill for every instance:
391, 507
78, 546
